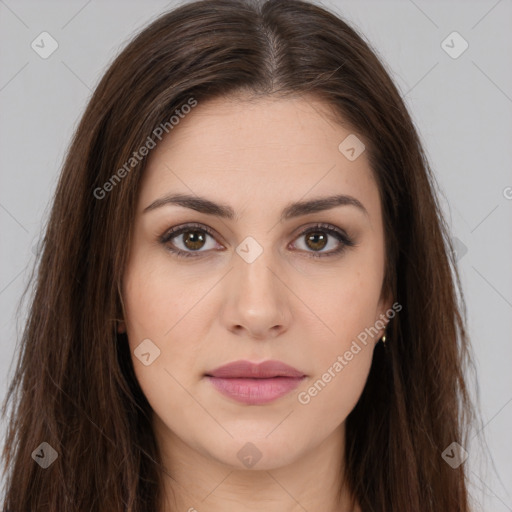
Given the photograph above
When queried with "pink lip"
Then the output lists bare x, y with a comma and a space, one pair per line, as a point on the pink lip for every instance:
254, 384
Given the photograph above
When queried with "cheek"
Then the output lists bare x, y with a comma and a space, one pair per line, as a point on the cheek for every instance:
347, 300
333, 394
153, 311
343, 357
161, 308
154, 300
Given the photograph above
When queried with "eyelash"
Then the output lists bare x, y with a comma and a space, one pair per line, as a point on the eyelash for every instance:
328, 228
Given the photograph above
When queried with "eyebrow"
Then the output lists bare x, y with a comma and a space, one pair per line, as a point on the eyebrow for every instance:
208, 207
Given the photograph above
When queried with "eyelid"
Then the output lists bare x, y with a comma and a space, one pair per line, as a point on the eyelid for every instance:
332, 230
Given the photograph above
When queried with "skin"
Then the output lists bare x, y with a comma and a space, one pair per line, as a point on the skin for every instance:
202, 312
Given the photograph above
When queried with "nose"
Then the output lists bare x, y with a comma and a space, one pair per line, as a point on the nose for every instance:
257, 298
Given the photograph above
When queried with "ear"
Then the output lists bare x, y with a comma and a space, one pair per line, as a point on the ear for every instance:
383, 314
121, 327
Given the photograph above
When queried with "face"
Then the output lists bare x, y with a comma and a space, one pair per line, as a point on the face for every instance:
296, 285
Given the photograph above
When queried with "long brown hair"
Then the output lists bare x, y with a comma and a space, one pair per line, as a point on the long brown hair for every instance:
74, 386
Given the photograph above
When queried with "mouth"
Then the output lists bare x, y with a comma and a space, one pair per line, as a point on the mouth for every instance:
255, 384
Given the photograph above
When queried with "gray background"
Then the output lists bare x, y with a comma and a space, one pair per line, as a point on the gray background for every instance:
462, 107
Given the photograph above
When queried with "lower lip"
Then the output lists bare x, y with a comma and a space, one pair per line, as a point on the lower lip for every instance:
255, 391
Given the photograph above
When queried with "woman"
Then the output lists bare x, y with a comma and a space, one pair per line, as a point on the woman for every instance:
246, 297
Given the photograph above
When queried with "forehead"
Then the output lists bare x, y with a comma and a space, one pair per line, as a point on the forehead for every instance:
257, 152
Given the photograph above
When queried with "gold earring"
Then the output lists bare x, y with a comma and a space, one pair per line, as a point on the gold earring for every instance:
383, 339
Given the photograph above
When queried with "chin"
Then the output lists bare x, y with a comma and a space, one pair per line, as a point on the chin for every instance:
256, 453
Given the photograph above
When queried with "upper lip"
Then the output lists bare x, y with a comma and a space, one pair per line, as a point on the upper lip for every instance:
247, 369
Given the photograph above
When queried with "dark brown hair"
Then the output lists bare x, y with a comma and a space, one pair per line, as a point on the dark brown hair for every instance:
74, 386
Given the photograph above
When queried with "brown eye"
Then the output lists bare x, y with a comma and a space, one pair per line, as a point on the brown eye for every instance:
316, 240
313, 241
189, 240
193, 240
